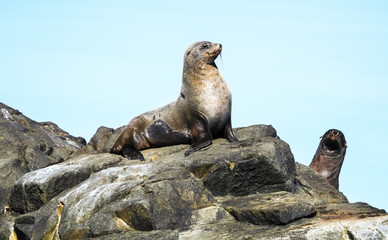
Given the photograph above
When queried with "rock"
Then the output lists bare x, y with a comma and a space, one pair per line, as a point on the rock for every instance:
350, 226
348, 210
263, 167
315, 187
26, 145
255, 132
251, 189
160, 235
140, 197
7, 222
304, 229
271, 208
36, 188
77, 142
245, 167
357, 229
102, 141
210, 215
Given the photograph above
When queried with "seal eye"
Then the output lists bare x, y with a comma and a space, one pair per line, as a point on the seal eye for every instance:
205, 46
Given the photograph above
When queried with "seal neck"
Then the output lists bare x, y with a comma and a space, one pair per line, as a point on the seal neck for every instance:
199, 73
200, 68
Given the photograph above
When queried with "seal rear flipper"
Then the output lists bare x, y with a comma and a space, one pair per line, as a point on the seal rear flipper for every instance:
228, 132
197, 147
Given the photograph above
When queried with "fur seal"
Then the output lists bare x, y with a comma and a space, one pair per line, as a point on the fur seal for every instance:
201, 113
330, 155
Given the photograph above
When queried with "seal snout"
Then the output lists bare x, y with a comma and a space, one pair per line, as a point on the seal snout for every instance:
215, 51
219, 48
333, 134
333, 140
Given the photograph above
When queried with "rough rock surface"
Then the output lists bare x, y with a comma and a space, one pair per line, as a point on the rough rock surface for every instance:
251, 189
26, 145
272, 208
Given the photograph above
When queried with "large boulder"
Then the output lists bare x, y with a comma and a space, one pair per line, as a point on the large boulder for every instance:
27, 145
313, 186
36, 188
269, 208
356, 227
141, 197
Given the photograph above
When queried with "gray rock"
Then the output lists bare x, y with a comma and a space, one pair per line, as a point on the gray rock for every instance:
36, 188
262, 167
160, 235
210, 215
255, 132
270, 208
315, 187
356, 229
26, 145
7, 221
348, 210
261, 193
304, 229
141, 197
245, 167
102, 141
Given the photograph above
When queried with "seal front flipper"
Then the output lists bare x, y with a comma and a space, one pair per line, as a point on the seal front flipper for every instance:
201, 136
127, 152
228, 132
132, 154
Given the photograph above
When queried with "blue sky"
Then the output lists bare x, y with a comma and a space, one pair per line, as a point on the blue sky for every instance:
302, 66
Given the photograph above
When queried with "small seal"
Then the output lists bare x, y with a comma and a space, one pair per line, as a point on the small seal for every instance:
330, 155
201, 113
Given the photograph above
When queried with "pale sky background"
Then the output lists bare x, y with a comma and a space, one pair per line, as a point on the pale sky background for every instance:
302, 66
